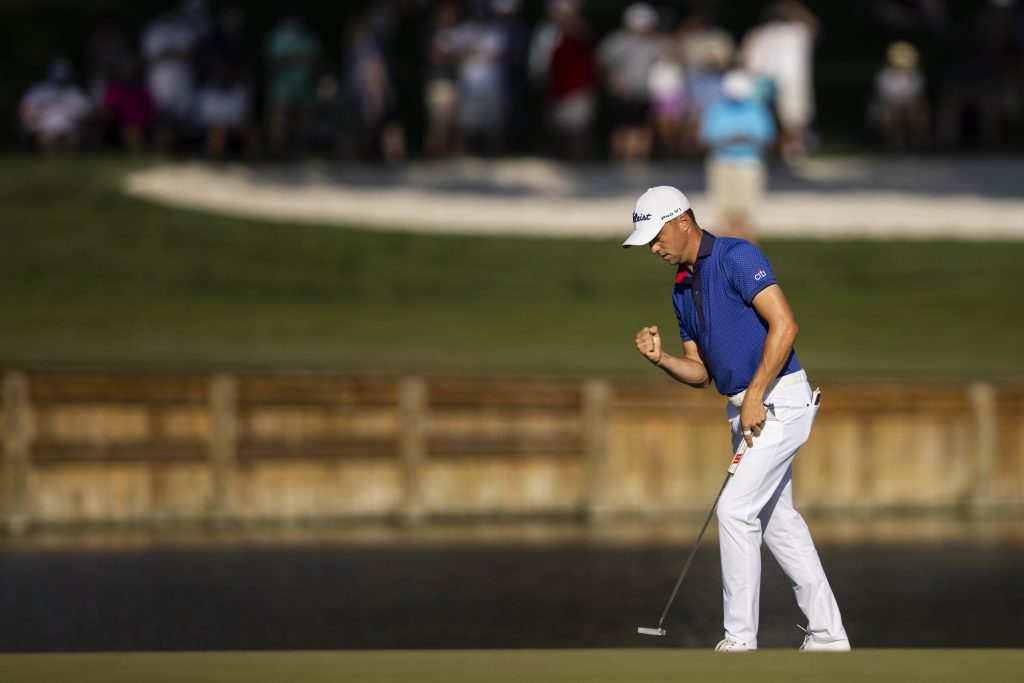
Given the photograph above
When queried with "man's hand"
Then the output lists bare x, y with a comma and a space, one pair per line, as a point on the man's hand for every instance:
752, 417
648, 342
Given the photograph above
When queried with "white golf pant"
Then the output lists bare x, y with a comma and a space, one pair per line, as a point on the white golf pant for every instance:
757, 505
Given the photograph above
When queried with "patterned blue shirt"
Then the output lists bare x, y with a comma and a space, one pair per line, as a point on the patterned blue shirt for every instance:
714, 309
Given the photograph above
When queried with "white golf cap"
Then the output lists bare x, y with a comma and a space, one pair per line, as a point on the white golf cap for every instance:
655, 207
737, 85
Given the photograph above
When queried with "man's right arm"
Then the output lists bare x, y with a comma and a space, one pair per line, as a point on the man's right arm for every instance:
689, 369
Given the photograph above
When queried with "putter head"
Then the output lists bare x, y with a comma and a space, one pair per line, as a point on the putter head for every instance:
651, 631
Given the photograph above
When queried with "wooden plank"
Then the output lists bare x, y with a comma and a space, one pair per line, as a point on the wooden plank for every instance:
17, 451
412, 447
305, 489
985, 423
52, 453
120, 492
664, 396
223, 443
454, 393
501, 487
511, 445
266, 449
895, 397
317, 390
300, 422
1009, 461
596, 398
73, 387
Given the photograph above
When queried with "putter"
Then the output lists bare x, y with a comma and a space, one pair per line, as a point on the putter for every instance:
659, 631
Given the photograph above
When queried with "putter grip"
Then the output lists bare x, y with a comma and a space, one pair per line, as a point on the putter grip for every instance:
739, 456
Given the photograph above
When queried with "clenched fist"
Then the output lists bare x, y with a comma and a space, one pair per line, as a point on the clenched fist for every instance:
648, 342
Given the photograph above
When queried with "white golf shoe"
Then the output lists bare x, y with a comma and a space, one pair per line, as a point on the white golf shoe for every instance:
812, 645
731, 645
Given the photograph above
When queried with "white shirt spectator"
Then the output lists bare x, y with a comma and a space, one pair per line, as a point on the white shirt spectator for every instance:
168, 45
54, 109
481, 46
223, 105
781, 51
899, 86
627, 58
665, 82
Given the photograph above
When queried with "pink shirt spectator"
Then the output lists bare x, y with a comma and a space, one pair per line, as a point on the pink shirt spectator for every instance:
128, 104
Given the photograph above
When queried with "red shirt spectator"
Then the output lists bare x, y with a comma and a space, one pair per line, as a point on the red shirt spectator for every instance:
572, 66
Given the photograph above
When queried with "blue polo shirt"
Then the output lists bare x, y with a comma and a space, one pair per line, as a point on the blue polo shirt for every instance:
714, 309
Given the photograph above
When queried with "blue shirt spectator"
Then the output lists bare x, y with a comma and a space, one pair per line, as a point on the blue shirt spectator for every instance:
737, 129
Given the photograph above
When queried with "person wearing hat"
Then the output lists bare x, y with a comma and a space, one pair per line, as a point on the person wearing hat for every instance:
737, 332
625, 59
53, 113
736, 130
900, 110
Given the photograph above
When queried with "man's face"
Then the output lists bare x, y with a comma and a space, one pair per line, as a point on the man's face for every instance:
671, 243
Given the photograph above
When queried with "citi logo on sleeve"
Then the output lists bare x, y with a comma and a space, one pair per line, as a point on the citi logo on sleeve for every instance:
638, 217
760, 274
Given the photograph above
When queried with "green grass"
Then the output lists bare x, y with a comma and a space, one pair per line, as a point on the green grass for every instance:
535, 666
92, 278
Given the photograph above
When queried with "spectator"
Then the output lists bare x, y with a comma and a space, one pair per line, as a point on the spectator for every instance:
332, 127
542, 43
53, 112
668, 99
909, 15
736, 130
375, 99
441, 92
227, 48
127, 105
480, 45
625, 58
707, 51
106, 49
292, 52
780, 51
223, 112
570, 82
899, 109
985, 79
515, 40
168, 46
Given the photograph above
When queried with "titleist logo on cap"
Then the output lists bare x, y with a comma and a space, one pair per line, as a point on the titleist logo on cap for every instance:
638, 217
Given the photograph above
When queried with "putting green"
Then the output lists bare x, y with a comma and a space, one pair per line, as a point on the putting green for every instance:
499, 666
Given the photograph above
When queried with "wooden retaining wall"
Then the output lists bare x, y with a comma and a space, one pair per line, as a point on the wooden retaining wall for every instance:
150, 449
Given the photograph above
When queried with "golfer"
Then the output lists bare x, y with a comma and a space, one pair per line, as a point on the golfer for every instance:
738, 332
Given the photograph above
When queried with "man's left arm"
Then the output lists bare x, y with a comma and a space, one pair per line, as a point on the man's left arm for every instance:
770, 303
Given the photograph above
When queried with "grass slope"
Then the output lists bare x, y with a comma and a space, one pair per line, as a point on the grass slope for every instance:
90, 277
536, 666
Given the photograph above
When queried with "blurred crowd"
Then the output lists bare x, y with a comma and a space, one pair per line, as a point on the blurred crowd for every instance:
982, 91
661, 84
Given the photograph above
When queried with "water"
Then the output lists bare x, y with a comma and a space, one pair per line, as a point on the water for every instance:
570, 592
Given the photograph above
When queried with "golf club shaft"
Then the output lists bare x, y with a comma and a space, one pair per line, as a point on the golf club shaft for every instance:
732, 469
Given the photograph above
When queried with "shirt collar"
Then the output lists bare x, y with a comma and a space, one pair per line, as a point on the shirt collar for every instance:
707, 243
